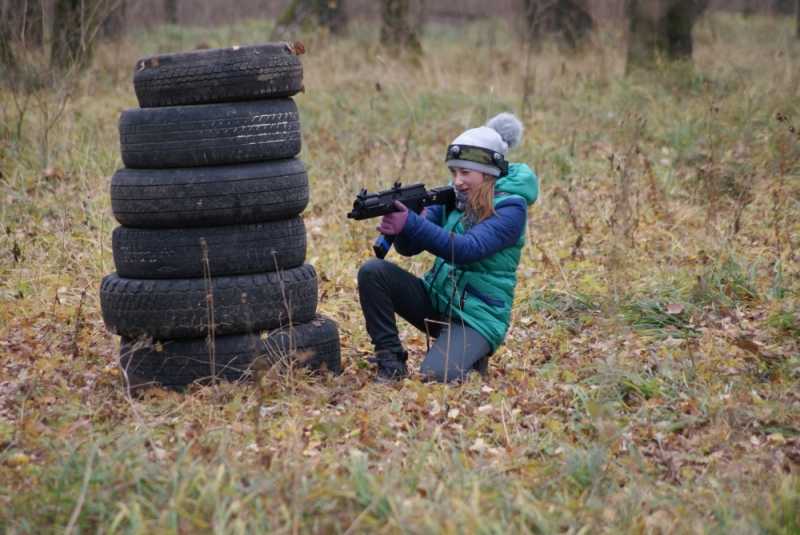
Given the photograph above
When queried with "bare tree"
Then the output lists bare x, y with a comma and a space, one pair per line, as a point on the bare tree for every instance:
783, 7
32, 26
396, 28
75, 26
569, 20
21, 26
328, 14
39, 81
114, 24
171, 11
661, 29
68, 34
8, 61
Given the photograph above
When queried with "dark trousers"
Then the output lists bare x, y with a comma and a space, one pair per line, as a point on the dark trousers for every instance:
386, 289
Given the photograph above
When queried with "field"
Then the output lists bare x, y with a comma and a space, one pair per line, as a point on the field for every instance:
651, 379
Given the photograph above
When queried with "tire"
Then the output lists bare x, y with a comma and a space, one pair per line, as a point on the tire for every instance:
218, 75
177, 363
230, 250
177, 308
209, 196
209, 134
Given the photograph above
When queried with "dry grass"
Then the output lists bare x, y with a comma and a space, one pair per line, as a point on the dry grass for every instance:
649, 383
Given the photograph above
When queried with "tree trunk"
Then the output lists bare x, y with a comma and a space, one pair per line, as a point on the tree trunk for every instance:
330, 14
114, 25
171, 11
8, 60
783, 7
31, 30
69, 46
569, 20
21, 22
797, 18
75, 26
661, 29
396, 30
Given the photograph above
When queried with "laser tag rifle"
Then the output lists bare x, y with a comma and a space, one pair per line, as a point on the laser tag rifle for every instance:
414, 197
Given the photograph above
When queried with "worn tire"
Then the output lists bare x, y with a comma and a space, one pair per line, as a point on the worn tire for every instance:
218, 75
209, 134
209, 196
230, 250
177, 363
177, 308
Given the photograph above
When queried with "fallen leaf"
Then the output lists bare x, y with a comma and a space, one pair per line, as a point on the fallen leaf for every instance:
53, 173
479, 446
742, 342
776, 438
17, 459
675, 308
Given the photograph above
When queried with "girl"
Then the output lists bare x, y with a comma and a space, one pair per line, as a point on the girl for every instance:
464, 301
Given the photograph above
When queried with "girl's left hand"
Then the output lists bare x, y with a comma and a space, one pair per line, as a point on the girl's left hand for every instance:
392, 224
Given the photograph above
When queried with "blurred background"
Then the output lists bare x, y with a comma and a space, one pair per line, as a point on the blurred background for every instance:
137, 13
33, 22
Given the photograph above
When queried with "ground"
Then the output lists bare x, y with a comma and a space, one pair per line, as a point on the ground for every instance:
650, 382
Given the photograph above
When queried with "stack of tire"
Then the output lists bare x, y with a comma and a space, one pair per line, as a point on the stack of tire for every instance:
210, 256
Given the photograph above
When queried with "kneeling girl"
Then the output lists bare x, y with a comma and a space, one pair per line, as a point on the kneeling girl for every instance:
465, 300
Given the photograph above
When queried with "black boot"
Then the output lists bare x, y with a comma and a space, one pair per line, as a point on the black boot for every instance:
391, 365
482, 366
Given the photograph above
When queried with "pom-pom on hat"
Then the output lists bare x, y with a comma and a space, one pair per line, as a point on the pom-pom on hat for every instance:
492, 141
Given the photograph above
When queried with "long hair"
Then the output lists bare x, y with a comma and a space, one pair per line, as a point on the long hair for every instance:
481, 200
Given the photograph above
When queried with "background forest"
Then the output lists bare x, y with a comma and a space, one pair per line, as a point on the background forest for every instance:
650, 382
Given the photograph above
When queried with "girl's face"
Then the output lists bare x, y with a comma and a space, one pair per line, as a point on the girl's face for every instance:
466, 179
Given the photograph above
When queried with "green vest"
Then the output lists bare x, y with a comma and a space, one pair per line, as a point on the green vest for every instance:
481, 293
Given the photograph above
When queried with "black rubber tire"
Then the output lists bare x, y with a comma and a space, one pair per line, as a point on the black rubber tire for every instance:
209, 134
209, 196
231, 250
218, 75
177, 308
177, 363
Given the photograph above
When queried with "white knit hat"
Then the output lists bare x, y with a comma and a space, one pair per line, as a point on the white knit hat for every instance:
502, 132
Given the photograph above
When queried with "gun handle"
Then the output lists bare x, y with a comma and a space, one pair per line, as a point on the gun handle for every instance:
382, 245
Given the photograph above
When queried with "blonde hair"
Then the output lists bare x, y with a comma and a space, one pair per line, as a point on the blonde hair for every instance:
481, 200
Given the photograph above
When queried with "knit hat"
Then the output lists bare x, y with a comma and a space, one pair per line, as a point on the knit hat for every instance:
484, 149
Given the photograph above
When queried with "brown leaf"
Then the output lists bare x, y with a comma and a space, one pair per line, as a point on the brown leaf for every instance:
53, 173
792, 450
742, 342
675, 308
296, 47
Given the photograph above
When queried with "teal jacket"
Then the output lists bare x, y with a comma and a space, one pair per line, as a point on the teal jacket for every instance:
475, 272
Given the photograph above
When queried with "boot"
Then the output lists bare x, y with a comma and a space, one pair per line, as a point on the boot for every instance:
391, 365
482, 366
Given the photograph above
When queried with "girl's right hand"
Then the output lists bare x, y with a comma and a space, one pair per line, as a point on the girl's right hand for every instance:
392, 224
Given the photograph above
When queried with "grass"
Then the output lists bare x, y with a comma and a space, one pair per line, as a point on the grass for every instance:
648, 383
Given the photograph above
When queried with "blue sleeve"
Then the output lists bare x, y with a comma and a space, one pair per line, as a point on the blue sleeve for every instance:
491, 235
407, 247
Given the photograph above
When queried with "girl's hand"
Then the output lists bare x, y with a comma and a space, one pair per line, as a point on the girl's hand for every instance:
392, 224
